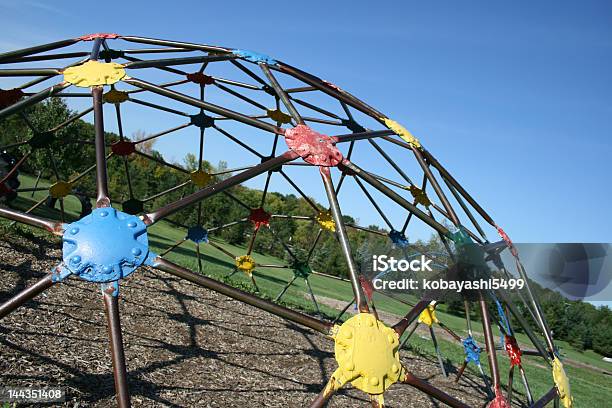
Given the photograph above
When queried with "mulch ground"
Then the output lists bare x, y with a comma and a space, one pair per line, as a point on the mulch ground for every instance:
185, 346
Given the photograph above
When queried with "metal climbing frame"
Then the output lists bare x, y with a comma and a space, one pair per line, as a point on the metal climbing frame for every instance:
369, 350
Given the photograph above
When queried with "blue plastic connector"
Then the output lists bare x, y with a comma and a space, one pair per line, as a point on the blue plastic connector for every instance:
197, 234
254, 56
106, 245
472, 350
398, 239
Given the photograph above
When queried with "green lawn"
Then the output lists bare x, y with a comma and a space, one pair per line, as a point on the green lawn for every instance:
590, 388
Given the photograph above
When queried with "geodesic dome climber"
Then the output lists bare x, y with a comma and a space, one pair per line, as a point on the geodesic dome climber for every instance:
312, 130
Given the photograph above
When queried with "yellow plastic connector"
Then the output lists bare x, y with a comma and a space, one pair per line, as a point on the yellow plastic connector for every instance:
428, 316
115, 96
94, 73
326, 221
60, 189
402, 132
366, 351
420, 197
562, 383
246, 264
200, 178
278, 116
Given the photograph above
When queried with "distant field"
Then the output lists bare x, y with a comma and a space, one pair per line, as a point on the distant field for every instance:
591, 388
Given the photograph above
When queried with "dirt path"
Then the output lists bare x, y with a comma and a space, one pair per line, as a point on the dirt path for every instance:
185, 346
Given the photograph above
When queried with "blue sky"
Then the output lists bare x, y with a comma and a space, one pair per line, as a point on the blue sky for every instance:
514, 98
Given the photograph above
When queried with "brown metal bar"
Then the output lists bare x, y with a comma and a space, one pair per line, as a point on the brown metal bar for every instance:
282, 292
33, 220
102, 199
229, 224
125, 159
351, 137
410, 317
249, 72
490, 343
161, 161
344, 174
265, 190
465, 209
15, 167
154, 50
323, 121
236, 83
170, 190
25, 295
374, 203
95, 49
111, 306
28, 190
273, 266
301, 89
524, 324
204, 105
220, 248
35, 82
71, 119
549, 396
46, 57
434, 183
343, 239
299, 190
159, 107
391, 162
240, 96
177, 44
316, 108
343, 311
314, 245
32, 99
541, 320
210, 190
437, 349
29, 72
293, 217
280, 92
252, 241
526, 384
163, 85
449, 331
165, 132
334, 92
87, 170
16, 144
325, 395
177, 61
407, 336
396, 197
429, 389
175, 71
11, 55
296, 317
238, 141
237, 200
445, 174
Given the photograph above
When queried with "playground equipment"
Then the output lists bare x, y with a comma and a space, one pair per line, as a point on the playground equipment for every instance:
110, 243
